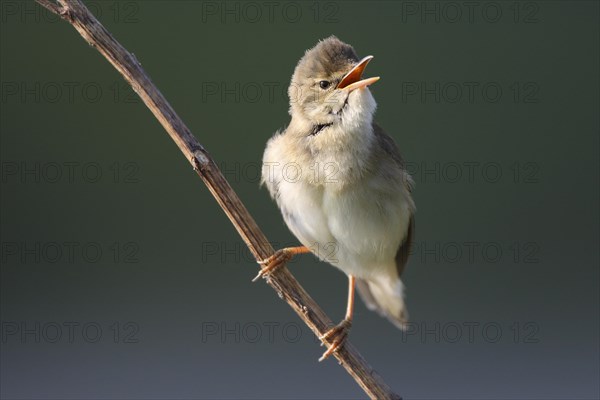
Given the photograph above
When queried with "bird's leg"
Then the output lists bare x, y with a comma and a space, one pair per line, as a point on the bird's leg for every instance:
339, 333
279, 258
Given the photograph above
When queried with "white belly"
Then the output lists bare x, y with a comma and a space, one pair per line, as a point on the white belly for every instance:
358, 229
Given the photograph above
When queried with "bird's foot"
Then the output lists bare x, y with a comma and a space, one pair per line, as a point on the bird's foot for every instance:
335, 337
279, 258
274, 262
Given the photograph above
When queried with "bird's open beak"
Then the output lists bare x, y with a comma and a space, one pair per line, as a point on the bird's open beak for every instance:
352, 80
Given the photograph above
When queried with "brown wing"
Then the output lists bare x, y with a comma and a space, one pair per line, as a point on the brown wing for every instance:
389, 148
404, 250
387, 144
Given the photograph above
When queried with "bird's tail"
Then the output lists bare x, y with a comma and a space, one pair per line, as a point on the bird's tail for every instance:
386, 296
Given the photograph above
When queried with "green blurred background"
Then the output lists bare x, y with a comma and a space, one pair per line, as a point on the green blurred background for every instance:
122, 278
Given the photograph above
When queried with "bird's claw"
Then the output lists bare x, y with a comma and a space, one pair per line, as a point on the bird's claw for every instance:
273, 263
339, 333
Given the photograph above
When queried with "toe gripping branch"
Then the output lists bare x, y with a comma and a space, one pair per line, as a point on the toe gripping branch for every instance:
278, 259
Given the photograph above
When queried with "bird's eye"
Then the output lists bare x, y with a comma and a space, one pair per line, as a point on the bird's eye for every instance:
324, 84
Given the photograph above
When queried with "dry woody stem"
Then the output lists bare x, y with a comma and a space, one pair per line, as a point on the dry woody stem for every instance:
282, 281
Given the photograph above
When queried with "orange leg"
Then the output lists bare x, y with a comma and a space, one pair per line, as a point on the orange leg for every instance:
339, 333
279, 258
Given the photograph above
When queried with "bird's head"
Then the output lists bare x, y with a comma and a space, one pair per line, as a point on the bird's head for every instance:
327, 87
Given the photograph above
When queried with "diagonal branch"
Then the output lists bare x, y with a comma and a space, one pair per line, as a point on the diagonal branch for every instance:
282, 281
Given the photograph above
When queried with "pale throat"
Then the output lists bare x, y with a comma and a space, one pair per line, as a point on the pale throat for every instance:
342, 152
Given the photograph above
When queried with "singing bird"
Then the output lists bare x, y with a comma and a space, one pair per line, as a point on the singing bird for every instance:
341, 184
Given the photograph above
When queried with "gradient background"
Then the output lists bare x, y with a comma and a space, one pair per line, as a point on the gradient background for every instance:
175, 276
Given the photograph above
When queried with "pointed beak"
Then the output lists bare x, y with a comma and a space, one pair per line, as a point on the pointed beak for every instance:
352, 80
